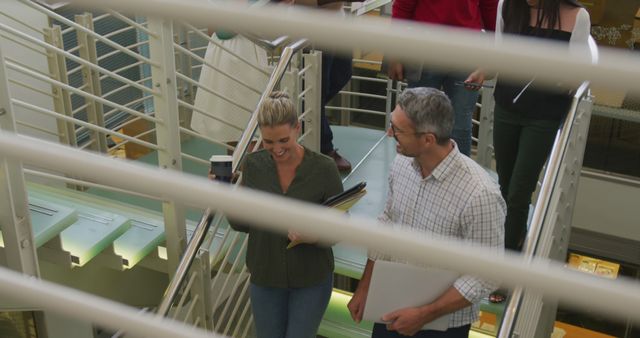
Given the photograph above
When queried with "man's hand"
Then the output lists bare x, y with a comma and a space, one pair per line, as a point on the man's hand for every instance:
357, 303
408, 321
396, 71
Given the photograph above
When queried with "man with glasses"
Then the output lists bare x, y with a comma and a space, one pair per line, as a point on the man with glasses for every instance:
437, 191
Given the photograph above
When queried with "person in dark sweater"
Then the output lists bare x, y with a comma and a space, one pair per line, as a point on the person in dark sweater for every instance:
290, 284
528, 114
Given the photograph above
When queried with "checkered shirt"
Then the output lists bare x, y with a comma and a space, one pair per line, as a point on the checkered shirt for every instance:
458, 200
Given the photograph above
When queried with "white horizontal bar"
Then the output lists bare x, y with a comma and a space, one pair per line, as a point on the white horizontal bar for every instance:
206, 138
53, 297
73, 58
10, 38
357, 110
210, 65
85, 183
116, 51
133, 23
34, 127
373, 96
212, 92
21, 84
619, 297
439, 46
224, 48
84, 124
80, 92
75, 25
371, 79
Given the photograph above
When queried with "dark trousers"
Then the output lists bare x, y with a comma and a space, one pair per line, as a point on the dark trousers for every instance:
336, 72
380, 331
522, 146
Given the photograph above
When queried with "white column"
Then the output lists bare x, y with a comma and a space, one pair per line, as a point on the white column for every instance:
165, 100
312, 100
15, 220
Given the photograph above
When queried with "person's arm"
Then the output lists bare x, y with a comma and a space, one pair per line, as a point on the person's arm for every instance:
404, 9
359, 299
482, 225
409, 321
488, 11
480, 75
579, 42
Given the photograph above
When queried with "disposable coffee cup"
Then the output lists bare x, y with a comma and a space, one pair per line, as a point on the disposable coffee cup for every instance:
221, 167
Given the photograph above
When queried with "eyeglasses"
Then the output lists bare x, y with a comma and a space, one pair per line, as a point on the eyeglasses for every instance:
395, 131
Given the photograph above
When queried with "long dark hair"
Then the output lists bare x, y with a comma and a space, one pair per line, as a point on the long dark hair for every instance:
517, 15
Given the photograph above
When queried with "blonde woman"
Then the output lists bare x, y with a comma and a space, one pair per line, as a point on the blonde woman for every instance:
290, 287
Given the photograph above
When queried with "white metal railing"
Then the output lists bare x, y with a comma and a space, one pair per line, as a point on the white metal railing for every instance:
90, 97
45, 295
543, 219
436, 45
616, 297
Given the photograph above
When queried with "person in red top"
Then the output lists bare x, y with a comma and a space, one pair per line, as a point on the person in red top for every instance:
472, 14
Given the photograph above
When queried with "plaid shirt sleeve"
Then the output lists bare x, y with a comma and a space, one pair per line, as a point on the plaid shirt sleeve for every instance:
384, 217
483, 225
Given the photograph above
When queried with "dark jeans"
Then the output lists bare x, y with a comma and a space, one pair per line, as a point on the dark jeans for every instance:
289, 313
463, 101
522, 146
380, 331
336, 72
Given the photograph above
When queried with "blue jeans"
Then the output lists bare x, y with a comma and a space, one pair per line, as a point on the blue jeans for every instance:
463, 101
289, 313
380, 331
336, 72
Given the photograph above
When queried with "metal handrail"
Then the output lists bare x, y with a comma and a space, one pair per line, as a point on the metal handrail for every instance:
205, 222
543, 204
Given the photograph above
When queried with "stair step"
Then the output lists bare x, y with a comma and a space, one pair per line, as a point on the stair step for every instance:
49, 219
144, 236
145, 230
93, 232
337, 322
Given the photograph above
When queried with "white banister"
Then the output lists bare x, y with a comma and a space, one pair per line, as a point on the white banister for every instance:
436, 45
615, 297
49, 296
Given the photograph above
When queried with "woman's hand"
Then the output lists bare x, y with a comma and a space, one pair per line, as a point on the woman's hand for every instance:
234, 178
296, 237
475, 80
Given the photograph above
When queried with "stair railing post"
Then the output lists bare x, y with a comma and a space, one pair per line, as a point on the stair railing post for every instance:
485, 131
61, 97
91, 82
15, 220
312, 99
163, 74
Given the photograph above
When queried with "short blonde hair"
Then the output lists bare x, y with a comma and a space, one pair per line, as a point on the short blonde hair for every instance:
276, 110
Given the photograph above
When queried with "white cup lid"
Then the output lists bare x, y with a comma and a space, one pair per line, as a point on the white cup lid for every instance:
221, 158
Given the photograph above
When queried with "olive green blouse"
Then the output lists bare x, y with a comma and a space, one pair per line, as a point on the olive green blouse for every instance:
270, 262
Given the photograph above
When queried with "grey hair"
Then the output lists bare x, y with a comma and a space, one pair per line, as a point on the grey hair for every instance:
430, 110
276, 110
